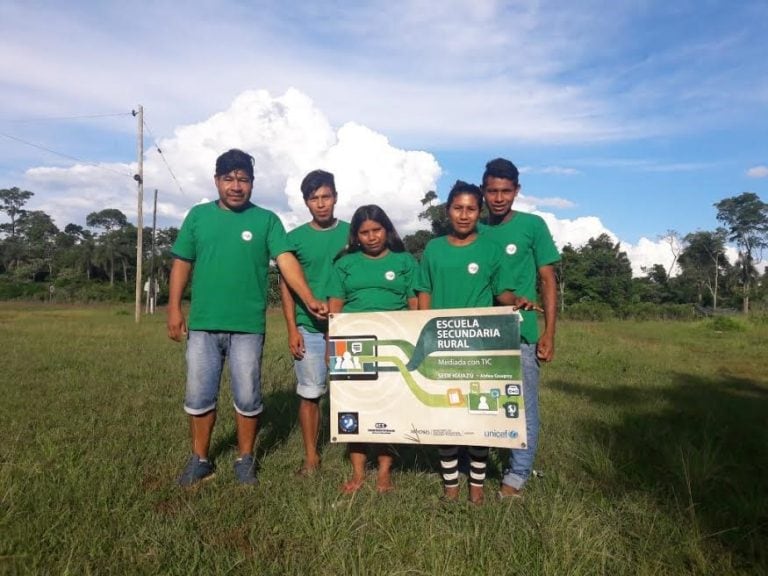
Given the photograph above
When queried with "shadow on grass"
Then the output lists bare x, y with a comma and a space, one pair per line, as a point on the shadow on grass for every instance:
699, 445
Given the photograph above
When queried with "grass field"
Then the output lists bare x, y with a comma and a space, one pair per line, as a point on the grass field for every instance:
654, 454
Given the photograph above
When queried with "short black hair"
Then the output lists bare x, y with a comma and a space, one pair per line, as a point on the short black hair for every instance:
501, 168
232, 160
317, 179
461, 187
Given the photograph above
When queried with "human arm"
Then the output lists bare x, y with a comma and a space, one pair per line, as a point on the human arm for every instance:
545, 349
177, 325
508, 298
413, 303
295, 341
424, 301
292, 273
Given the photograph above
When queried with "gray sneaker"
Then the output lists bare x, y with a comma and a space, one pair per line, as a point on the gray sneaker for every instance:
195, 471
245, 471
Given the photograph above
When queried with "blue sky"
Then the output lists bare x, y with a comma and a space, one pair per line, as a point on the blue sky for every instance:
627, 117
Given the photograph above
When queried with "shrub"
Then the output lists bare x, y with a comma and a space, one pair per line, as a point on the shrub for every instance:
591, 311
725, 324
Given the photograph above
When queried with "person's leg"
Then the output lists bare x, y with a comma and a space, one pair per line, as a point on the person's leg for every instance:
478, 461
521, 460
357, 458
245, 351
449, 469
311, 373
384, 473
204, 363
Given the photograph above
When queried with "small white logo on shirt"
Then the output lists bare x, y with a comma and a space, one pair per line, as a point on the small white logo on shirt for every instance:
473, 268
511, 249
389, 275
246, 235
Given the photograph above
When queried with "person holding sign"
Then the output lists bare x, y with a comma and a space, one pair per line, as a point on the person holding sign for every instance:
314, 244
463, 270
374, 274
529, 252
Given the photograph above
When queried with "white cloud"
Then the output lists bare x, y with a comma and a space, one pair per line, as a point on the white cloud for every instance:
287, 135
758, 172
556, 170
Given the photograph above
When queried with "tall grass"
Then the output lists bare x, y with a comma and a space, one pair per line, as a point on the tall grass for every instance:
654, 460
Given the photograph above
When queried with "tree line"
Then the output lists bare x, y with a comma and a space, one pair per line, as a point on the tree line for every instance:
96, 260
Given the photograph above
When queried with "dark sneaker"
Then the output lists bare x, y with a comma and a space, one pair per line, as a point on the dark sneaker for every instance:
195, 471
245, 471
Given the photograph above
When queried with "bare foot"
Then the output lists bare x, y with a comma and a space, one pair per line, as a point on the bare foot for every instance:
352, 486
509, 492
476, 494
384, 484
450, 494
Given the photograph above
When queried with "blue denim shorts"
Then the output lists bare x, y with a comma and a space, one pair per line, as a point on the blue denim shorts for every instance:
311, 371
206, 352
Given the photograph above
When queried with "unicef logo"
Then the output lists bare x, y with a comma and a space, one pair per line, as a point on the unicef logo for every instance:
473, 268
389, 275
246, 235
511, 249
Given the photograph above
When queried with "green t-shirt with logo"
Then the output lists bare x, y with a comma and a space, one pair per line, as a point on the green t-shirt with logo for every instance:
373, 284
315, 250
526, 245
462, 276
230, 252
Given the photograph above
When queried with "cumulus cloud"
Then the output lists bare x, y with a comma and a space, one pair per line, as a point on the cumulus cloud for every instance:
758, 172
287, 135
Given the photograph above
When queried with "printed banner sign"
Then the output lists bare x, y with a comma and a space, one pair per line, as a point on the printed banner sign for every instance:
427, 377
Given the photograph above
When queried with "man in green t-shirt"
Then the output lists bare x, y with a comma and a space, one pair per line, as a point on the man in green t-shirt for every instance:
529, 254
315, 244
229, 244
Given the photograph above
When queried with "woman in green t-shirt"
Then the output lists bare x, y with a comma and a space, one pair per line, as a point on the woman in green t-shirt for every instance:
463, 270
373, 274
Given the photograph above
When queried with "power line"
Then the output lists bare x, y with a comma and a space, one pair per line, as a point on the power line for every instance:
68, 157
165, 161
47, 118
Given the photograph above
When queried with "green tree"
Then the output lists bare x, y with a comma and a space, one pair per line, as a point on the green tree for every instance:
599, 271
746, 220
12, 202
703, 263
38, 233
110, 220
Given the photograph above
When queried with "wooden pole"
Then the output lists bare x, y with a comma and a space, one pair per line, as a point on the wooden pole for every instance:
139, 177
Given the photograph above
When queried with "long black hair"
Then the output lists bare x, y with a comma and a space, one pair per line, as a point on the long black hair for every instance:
376, 214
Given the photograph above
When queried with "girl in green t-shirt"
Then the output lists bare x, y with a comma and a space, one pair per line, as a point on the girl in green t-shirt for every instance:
373, 274
463, 270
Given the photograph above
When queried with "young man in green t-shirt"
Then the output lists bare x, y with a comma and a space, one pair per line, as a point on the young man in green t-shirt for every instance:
315, 244
529, 253
228, 243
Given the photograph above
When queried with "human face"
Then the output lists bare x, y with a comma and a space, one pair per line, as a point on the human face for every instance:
463, 213
499, 193
234, 189
372, 237
321, 203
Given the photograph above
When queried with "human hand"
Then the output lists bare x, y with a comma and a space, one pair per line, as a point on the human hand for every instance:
177, 325
545, 348
318, 308
296, 344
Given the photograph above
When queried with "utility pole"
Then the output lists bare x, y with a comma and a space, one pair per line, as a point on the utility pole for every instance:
152, 294
139, 177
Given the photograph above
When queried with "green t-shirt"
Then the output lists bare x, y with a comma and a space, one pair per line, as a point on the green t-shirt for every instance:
526, 245
462, 276
373, 284
315, 250
230, 252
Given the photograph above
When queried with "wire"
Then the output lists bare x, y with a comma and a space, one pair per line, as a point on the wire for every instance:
83, 117
159, 151
68, 157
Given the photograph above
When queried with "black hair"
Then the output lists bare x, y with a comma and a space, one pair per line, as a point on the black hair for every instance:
501, 168
461, 187
232, 160
317, 179
375, 213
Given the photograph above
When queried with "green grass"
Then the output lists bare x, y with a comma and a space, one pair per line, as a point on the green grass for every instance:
654, 453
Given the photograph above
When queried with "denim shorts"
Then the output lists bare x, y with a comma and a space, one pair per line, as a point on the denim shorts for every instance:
311, 371
206, 352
